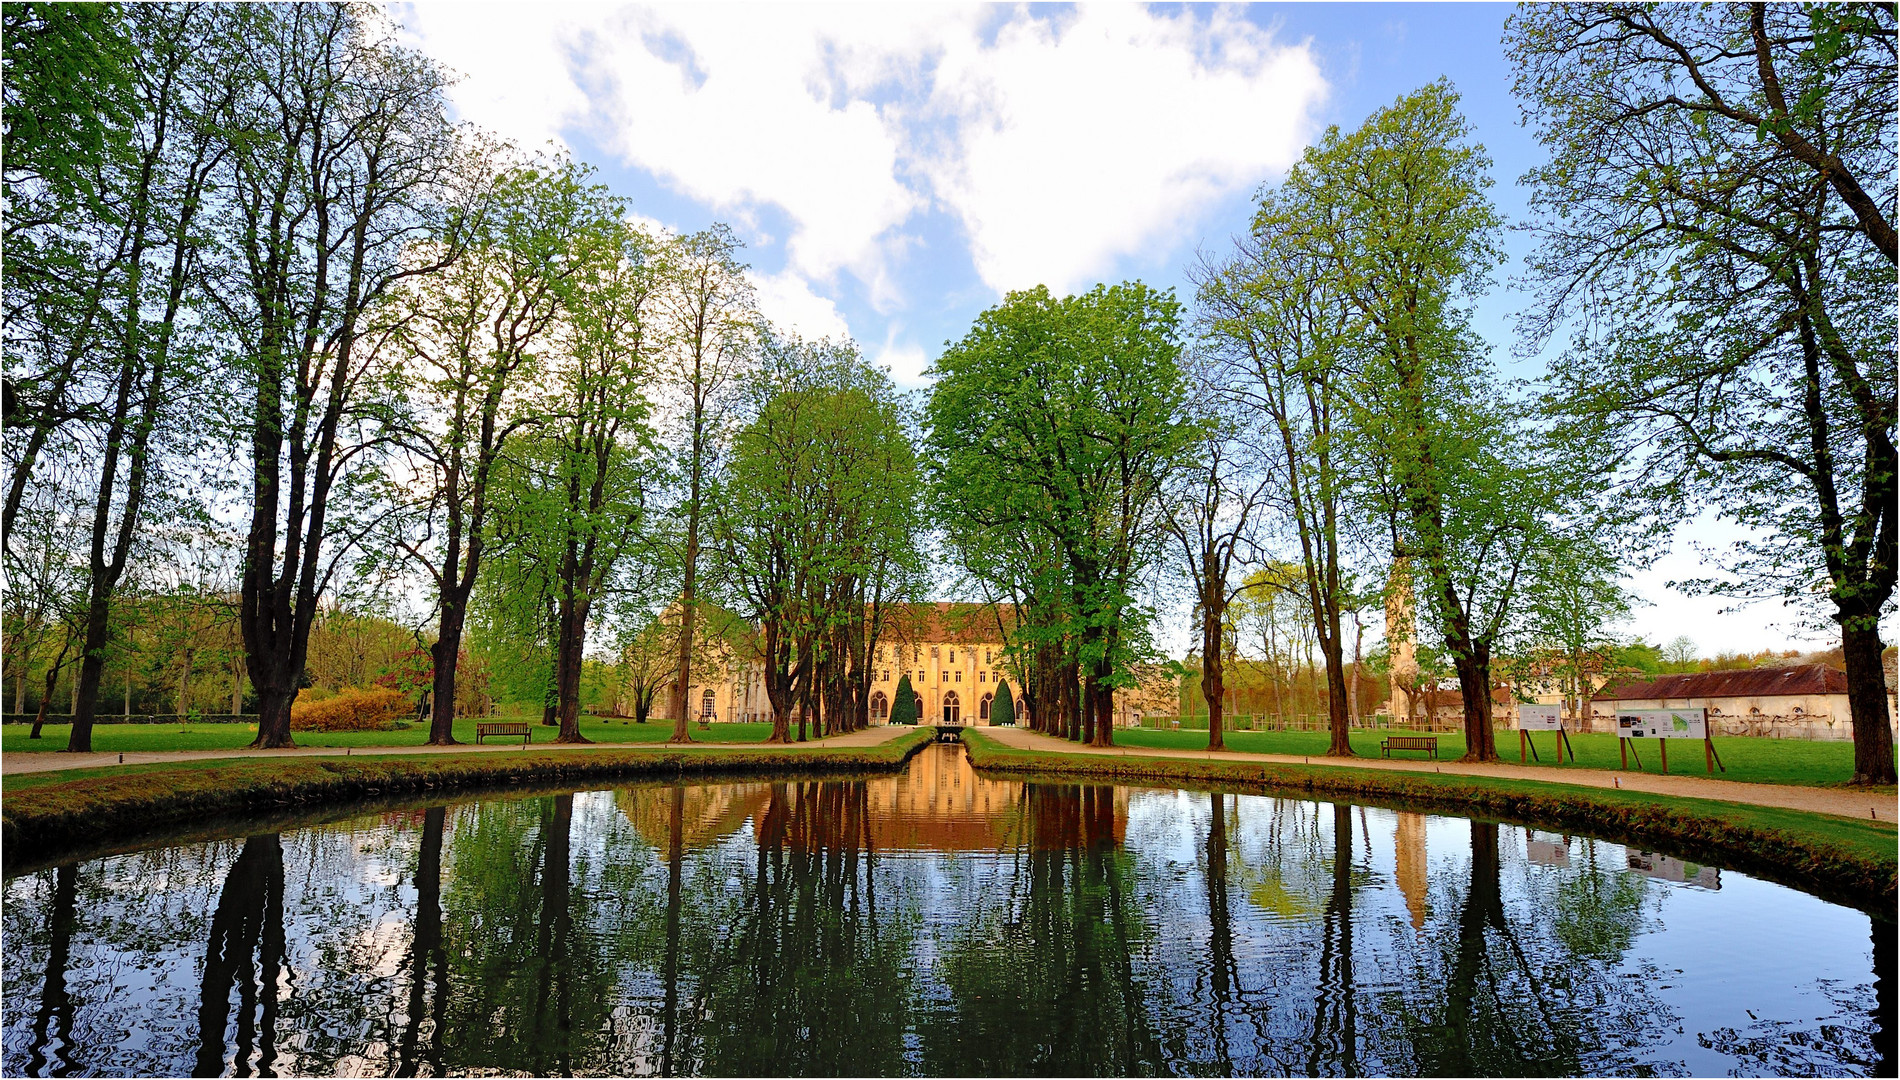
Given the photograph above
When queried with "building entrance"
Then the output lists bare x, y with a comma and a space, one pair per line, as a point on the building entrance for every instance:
950, 708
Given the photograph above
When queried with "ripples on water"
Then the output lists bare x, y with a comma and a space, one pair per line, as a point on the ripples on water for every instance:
933, 923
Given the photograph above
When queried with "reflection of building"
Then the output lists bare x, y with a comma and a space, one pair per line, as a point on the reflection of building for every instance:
953, 654
1409, 846
709, 812
1806, 702
1664, 868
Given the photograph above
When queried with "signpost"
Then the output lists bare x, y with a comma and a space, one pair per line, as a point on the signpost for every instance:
1663, 725
1542, 718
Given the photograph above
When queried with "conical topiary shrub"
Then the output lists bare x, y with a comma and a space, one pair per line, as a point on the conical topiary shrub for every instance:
904, 705
1003, 709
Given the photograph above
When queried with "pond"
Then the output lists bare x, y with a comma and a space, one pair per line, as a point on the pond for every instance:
935, 922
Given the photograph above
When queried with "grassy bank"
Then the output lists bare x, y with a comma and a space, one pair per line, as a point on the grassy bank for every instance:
1842, 859
47, 814
1760, 761
128, 738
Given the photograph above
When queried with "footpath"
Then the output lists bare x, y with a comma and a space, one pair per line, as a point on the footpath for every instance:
1845, 802
52, 761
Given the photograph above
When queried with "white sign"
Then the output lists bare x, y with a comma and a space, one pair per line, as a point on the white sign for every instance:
1662, 724
1540, 718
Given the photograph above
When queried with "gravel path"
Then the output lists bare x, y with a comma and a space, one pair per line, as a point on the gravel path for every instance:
37, 762
1845, 802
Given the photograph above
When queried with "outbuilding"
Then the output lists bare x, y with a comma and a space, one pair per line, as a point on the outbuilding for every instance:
1804, 702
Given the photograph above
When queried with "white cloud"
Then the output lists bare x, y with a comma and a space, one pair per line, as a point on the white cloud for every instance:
1096, 135
517, 75
1059, 143
906, 362
789, 301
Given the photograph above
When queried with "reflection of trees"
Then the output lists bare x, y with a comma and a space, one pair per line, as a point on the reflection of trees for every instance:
426, 954
1492, 997
811, 979
1044, 983
1598, 912
248, 923
56, 1003
1334, 1047
523, 996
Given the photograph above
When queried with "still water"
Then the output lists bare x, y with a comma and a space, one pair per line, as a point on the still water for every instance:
931, 923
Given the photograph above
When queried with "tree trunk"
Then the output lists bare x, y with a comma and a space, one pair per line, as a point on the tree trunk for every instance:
1867, 701
1213, 676
1339, 720
572, 642
445, 653
1474, 688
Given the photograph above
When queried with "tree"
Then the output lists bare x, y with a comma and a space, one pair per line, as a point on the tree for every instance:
1716, 227
337, 153
584, 481
467, 340
1213, 515
1003, 708
815, 531
1681, 653
904, 706
140, 310
1574, 600
1275, 317
711, 322
1069, 414
1396, 214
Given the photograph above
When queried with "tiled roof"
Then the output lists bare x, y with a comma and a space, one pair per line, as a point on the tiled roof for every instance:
1752, 682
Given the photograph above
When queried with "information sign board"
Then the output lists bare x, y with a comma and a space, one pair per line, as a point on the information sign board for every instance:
1662, 724
1540, 718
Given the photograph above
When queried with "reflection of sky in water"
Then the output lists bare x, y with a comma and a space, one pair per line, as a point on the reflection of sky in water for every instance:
940, 923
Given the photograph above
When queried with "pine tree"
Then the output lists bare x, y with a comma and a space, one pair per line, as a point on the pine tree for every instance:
1003, 709
904, 708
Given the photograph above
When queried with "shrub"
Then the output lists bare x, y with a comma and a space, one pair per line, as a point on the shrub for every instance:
1003, 709
904, 707
350, 710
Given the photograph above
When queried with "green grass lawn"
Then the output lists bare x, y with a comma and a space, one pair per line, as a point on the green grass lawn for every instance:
126, 738
1776, 761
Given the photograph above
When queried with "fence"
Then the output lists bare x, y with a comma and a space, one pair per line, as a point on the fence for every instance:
1296, 722
141, 718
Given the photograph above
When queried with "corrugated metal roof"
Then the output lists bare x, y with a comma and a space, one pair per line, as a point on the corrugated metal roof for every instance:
1752, 682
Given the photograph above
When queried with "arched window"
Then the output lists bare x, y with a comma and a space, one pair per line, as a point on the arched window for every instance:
919, 698
950, 709
706, 707
879, 707
983, 707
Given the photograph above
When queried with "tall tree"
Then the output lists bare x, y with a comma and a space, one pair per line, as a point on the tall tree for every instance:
468, 342
1274, 317
584, 482
337, 153
1396, 214
1071, 410
711, 321
1717, 235
141, 315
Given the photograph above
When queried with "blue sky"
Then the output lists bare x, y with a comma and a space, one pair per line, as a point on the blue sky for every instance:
894, 169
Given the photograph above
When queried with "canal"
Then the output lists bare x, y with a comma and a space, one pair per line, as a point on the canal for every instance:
935, 922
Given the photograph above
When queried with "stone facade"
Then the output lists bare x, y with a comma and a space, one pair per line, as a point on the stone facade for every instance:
953, 654
1805, 702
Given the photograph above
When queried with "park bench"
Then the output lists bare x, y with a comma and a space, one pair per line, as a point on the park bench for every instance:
1428, 743
483, 731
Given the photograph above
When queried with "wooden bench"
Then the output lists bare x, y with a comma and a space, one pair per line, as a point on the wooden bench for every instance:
483, 731
1428, 743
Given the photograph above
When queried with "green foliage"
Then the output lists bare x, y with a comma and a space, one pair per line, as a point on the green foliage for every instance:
1057, 423
904, 705
1003, 707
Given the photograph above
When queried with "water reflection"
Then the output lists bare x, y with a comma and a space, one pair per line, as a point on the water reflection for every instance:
937, 922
